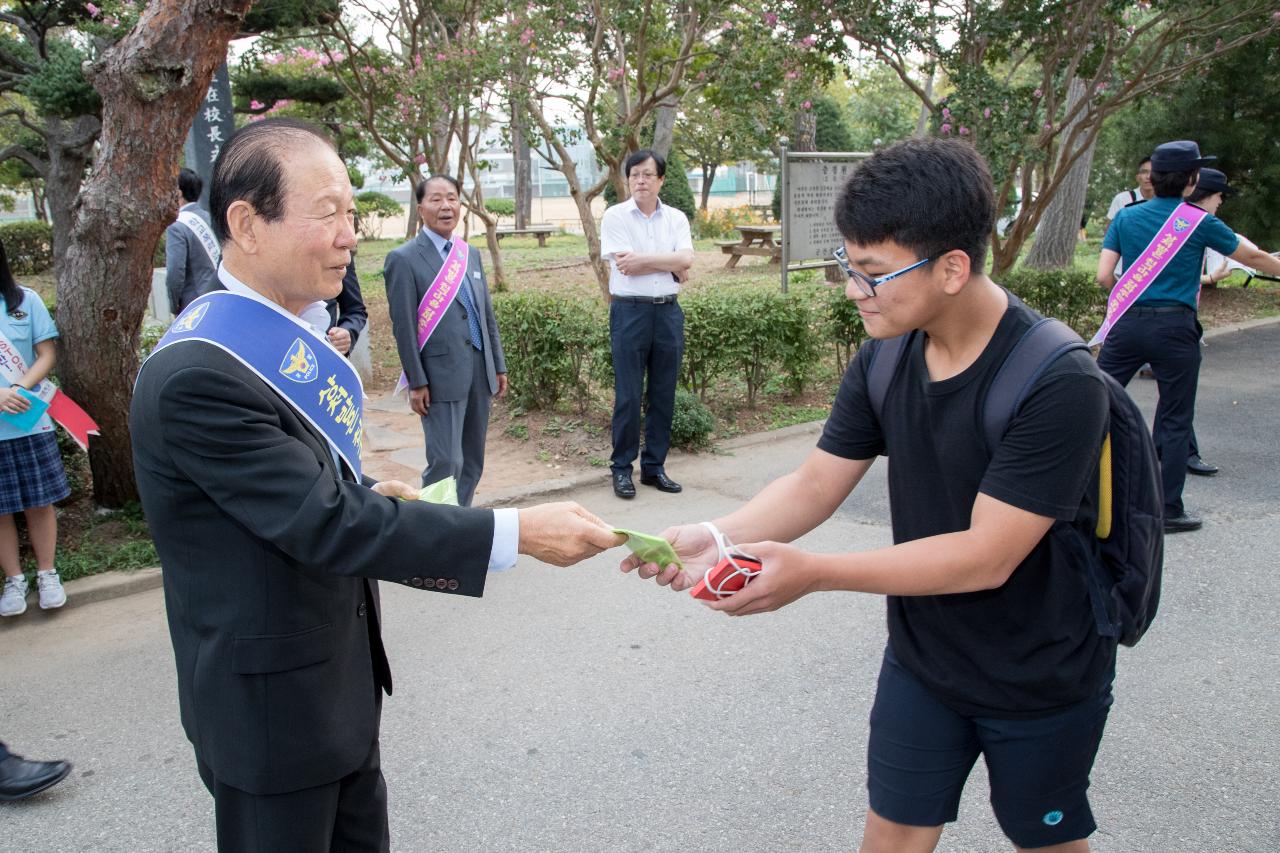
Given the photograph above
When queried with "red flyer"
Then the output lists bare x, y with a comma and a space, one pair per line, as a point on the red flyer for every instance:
726, 577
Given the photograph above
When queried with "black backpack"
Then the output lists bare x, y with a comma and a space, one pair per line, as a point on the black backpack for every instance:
1126, 555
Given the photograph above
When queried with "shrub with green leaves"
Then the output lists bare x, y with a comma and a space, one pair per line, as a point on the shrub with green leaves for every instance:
550, 343
29, 246
692, 422
751, 331
500, 206
1071, 295
371, 208
843, 326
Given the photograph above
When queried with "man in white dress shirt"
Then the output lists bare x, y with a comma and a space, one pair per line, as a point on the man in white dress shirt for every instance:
650, 251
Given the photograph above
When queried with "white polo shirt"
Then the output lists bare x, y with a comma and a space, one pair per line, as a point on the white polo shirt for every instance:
1123, 199
625, 229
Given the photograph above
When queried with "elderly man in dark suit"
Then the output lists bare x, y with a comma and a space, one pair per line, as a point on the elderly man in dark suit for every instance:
459, 369
270, 540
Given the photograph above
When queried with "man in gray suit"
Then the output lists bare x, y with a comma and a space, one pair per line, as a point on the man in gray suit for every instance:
457, 372
191, 252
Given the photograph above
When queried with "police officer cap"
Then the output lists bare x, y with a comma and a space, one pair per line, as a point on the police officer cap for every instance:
1181, 156
1213, 181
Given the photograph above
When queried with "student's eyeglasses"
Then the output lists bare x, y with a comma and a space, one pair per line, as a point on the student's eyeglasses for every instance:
866, 283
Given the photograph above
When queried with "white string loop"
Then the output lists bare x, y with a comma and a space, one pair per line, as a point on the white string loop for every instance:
722, 547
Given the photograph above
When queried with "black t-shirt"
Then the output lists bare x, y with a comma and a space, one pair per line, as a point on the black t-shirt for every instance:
1031, 646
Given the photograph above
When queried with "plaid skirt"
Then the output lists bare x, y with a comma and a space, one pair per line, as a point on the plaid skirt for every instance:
31, 473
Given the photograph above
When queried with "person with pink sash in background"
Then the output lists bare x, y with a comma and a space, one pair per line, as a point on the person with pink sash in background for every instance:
1151, 313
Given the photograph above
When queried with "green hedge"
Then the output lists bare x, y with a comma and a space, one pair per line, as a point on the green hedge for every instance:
1072, 295
557, 347
550, 343
29, 246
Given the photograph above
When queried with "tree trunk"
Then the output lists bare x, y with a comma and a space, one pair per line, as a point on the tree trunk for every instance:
805, 131
522, 161
37, 200
664, 131
708, 178
151, 82
411, 221
922, 123
70, 145
564, 164
1056, 238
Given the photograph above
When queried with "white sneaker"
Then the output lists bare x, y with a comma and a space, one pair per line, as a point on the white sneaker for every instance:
14, 600
52, 595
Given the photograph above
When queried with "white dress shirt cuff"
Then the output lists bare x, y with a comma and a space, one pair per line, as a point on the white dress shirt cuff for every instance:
506, 536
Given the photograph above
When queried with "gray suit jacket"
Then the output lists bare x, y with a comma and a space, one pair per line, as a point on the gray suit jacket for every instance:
445, 362
188, 271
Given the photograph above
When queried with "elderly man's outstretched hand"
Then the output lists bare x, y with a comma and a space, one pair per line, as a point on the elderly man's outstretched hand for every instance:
395, 489
564, 533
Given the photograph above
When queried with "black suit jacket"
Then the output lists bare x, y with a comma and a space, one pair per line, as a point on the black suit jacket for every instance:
347, 309
445, 363
267, 551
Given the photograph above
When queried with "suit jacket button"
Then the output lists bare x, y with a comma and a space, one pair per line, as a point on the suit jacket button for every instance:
360, 610
441, 583
416, 581
453, 585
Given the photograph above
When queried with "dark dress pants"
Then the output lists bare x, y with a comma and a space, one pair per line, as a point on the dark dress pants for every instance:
645, 338
455, 433
346, 816
1168, 338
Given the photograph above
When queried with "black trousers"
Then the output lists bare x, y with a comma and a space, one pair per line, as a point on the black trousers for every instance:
346, 816
645, 338
1168, 338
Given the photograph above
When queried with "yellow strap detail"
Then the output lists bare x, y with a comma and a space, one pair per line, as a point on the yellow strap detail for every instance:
1104, 490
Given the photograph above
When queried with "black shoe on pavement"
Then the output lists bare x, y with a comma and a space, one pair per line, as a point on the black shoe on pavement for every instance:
622, 485
1196, 465
1182, 523
20, 778
661, 481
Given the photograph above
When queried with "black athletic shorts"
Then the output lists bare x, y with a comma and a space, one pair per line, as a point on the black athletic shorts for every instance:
921, 752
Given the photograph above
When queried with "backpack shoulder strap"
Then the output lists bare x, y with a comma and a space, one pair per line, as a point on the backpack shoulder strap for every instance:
884, 362
1038, 348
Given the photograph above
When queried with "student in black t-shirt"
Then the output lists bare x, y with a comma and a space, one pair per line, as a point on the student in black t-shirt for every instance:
992, 647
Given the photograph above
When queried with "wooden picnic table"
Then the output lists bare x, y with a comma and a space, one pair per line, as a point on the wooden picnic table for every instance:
542, 232
755, 240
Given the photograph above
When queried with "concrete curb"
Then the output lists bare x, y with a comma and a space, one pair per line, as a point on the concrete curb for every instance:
1219, 331
82, 591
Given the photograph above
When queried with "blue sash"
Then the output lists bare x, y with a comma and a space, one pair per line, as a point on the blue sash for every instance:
285, 353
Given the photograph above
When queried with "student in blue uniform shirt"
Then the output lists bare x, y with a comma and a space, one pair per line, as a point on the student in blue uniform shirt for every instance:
32, 478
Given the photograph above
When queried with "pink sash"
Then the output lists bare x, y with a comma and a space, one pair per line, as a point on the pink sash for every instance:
1169, 240
439, 296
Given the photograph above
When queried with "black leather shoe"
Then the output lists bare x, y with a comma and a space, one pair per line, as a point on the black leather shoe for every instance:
1182, 523
622, 485
661, 481
20, 778
1196, 465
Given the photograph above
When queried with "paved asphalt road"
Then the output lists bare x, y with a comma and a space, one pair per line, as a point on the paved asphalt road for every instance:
582, 710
